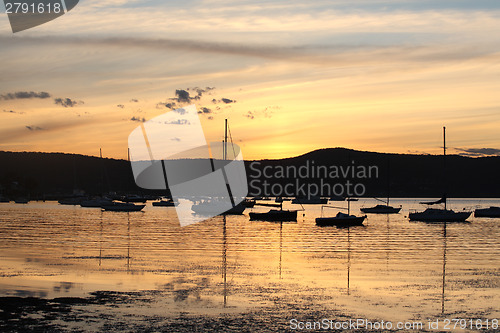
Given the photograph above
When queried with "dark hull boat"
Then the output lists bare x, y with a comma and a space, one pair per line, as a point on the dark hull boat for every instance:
164, 203
275, 215
381, 209
487, 212
122, 207
439, 215
340, 220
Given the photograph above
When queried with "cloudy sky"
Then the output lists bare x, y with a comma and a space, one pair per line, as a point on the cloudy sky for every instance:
291, 76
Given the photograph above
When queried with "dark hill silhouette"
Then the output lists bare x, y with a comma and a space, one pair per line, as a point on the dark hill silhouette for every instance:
410, 175
56, 174
36, 174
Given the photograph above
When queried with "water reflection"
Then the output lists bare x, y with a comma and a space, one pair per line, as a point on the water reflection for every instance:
224, 258
444, 266
394, 269
281, 246
348, 259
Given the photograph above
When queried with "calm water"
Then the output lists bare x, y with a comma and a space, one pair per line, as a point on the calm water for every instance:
390, 269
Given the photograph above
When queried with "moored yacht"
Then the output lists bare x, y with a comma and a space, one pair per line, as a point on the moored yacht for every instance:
487, 212
439, 214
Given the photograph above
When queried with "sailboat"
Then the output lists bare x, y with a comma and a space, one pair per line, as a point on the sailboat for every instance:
212, 205
438, 214
116, 206
275, 215
341, 219
383, 209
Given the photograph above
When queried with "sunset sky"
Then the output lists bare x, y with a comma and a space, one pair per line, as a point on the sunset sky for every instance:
291, 76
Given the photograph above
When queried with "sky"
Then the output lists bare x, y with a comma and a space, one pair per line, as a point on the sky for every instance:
290, 76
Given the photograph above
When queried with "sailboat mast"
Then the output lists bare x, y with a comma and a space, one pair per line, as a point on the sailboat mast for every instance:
388, 181
444, 165
225, 139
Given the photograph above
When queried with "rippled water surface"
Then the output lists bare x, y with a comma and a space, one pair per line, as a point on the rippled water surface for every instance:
268, 273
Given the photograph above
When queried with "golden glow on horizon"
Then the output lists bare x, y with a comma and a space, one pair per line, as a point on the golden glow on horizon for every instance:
337, 88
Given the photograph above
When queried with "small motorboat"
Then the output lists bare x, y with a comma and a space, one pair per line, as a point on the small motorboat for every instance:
122, 207
487, 212
340, 220
275, 215
381, 209
439, 215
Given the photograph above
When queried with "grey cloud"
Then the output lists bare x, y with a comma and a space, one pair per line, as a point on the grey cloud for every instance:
25, 95
267, 112
223, 100
200, 91
67, 102
168, 105
337, 54
139, 119
34, 128
478, 152
204, 110
183, 96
